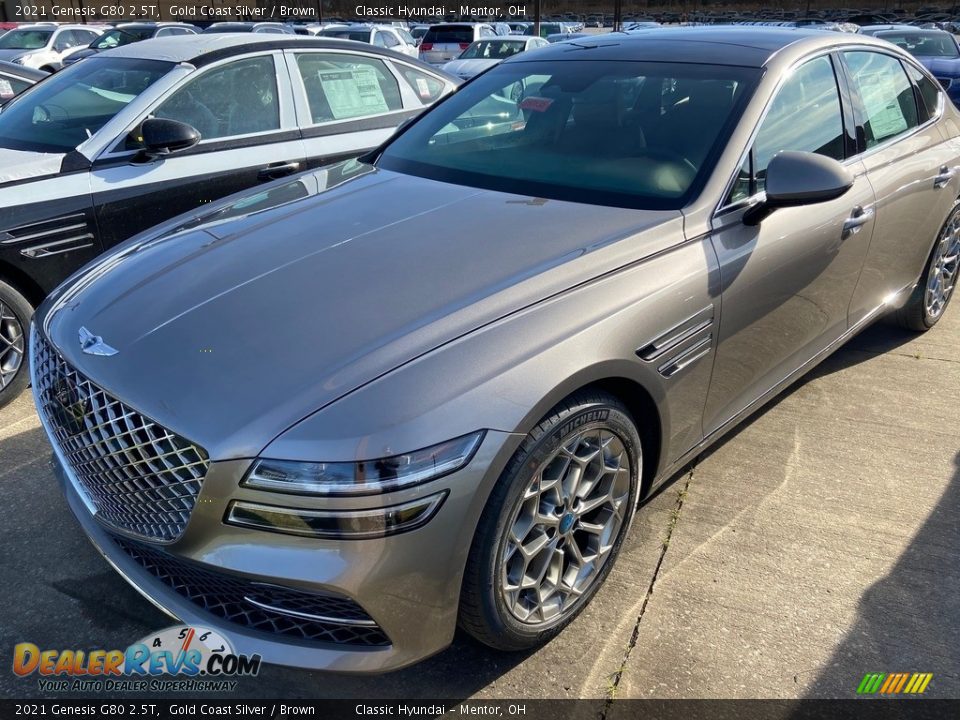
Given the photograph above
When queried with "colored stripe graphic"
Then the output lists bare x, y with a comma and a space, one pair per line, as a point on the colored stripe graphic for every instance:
894, 683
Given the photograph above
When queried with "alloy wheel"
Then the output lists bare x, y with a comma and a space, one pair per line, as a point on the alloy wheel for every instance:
942, 277
11, 345
565, 526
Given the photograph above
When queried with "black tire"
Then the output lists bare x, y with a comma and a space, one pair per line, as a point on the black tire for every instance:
15, 314
915, 315
484, 613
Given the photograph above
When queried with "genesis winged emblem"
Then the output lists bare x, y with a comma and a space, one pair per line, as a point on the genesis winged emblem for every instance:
94, 345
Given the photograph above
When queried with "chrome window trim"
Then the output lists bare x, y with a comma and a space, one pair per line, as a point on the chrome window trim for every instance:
723, 208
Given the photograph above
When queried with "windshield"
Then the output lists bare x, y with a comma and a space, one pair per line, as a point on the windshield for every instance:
492, 50
358, 35
922, 44
70, 106
117, 37
626, 134
25, 39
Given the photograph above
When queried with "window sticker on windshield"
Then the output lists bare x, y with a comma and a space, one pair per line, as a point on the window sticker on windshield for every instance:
6, 89
353, 93
423, 89
536, 104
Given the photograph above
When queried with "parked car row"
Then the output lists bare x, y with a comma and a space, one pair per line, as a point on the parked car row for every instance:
316, 420
133, 135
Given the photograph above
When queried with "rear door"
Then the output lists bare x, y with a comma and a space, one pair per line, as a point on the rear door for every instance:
349, 102
244, 112
903, 152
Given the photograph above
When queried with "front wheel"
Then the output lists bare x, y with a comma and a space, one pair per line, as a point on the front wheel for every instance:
15, 314
553, 525
932, 295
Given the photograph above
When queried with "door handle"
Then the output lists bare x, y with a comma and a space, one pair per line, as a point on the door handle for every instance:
944, 177
858, 218
278, 170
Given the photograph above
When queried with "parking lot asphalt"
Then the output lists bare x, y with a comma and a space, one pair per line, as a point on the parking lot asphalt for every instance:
816, 544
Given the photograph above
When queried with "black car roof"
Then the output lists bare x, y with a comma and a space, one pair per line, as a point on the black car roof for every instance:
726, 45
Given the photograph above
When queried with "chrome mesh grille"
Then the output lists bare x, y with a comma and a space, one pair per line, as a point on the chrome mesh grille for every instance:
139, 476
267, 608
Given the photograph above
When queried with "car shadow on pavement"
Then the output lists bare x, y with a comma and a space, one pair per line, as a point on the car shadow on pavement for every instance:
908, 621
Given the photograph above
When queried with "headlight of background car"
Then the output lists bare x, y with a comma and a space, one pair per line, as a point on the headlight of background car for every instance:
18, 59
364, 478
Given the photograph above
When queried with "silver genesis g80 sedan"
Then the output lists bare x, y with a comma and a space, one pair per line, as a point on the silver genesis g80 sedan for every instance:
338, 417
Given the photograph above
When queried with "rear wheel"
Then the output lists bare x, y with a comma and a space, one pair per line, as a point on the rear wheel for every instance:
554, 524
15, 314
935, 289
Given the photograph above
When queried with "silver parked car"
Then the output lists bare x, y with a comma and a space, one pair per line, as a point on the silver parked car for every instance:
486, 53
308, 420
443, 42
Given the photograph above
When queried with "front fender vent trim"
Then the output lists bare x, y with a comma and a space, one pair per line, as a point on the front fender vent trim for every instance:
682, 345
50, 237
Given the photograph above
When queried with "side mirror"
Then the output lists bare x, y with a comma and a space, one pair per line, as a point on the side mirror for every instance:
161, 136
799, 178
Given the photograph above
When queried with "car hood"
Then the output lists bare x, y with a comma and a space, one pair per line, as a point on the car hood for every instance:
468, 68
6, 54
24, 164
229, 333
941, 66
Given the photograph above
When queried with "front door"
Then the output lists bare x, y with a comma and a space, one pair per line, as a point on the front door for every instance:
787, 282
248, 136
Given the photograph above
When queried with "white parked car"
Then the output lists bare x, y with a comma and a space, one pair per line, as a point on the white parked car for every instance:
45, 45
385, 36
483, 54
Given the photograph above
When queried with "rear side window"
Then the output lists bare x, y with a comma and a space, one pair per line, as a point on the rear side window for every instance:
889, 105
929, 93
805, 116
342, 87
427, 87
10, 86
448, 34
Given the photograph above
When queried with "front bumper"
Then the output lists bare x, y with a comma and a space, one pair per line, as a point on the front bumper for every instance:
408, 584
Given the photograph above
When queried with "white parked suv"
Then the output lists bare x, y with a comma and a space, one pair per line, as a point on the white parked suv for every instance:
45, 45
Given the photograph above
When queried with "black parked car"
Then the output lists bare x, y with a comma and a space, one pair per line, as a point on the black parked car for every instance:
130, 33
135, 135
14, 79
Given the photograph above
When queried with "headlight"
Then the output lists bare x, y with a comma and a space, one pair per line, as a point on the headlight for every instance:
370, 477
18, 59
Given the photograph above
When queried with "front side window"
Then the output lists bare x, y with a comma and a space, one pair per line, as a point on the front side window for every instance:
25, 39
70, 106
889, 106
804, 116
625, 134
239, 98
343, 87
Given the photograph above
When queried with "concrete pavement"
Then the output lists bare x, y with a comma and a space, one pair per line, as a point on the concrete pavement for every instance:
818, 543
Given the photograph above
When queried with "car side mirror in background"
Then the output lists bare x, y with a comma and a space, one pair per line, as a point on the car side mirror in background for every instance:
161, 136
799, 178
